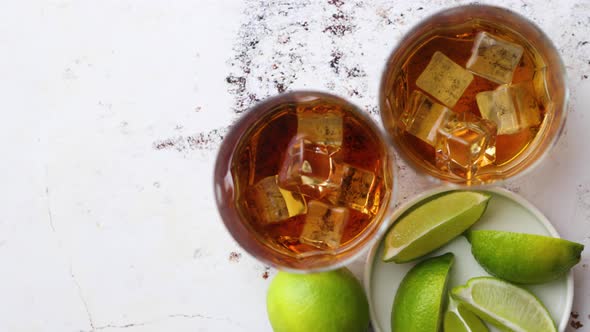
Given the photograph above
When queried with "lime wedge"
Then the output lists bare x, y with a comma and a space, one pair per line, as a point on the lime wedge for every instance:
523, 258
459, 319
419, 299
505, 305
433, 224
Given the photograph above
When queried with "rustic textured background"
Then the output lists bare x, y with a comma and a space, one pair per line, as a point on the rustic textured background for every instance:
112, 114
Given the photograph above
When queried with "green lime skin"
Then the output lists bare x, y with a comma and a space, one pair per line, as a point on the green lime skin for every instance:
459, 318
331, 301
523, 258
420, 297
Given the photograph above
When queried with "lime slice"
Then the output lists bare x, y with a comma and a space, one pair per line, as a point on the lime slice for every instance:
419, 299
433, 224
524, 258
459, 319
505, 305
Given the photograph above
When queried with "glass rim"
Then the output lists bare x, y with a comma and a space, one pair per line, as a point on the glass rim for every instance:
552, 141
248, 120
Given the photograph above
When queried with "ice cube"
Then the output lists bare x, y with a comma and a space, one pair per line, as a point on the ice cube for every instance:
497, 106
422, 117
356, 188
444, 79
540, 87
526, 104
511, 107
466, 143
494, 58
324, 225
306, 168
268, 203
323, 127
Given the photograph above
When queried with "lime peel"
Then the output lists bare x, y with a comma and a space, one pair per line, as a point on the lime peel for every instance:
419, 300
523, 258
459, 318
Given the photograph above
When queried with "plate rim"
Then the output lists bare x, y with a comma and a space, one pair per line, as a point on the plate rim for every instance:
367, 275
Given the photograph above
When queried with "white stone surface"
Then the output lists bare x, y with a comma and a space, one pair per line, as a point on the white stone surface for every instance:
112, 112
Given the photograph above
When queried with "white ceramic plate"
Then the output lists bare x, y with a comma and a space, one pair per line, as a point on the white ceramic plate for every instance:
507, 212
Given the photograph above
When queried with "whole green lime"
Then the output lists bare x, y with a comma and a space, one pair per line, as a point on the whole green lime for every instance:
328, 301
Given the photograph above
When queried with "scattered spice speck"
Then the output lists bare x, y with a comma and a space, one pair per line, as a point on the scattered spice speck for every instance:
164, 144
337, 3
338, 29
279, 47
201, 141
356, 72
574, 314
335, 61
266, 272
234, 257
576, 324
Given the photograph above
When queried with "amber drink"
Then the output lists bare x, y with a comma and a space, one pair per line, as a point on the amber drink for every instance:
304, 181
474, 94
